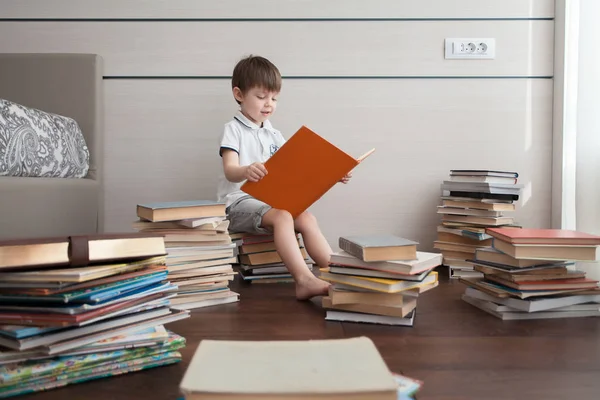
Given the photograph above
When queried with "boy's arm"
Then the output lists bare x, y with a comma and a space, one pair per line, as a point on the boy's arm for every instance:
236, 173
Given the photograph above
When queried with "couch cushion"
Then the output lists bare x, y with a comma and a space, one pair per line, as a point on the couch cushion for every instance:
34, 143
37, 207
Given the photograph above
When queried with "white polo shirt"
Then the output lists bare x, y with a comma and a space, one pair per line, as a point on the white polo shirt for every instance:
252, 143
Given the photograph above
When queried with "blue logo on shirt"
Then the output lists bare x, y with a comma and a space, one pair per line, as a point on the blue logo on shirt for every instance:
273, 149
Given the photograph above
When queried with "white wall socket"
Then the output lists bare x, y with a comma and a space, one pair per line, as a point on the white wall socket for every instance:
470, 48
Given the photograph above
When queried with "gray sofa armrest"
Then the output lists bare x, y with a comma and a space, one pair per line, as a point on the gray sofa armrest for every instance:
69, 85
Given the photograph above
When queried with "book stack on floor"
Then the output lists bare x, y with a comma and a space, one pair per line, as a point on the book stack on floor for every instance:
200, 252
293, 369
473, 200
377, 279
527, 275
79, 308
259, 262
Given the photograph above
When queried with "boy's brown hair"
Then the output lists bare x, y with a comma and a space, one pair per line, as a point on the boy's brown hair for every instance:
256, 71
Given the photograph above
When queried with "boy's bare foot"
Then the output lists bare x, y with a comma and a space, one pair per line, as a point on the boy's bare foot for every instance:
311, 286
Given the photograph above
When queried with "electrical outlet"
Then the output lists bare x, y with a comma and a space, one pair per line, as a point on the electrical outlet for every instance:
470, 48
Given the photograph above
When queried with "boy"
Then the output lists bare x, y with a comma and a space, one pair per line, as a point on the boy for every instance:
246, 143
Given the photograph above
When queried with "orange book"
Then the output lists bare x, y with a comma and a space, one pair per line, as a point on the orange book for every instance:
301, 172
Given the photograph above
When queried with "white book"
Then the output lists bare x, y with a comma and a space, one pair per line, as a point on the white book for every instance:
551, 314
332, 369
207, 302
535, 304
347, 316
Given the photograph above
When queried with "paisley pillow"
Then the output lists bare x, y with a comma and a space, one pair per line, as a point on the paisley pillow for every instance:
34, 143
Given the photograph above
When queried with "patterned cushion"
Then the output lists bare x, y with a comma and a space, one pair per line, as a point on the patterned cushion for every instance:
35, 143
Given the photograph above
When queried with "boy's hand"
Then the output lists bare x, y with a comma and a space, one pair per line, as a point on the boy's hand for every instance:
346, 178
255, 172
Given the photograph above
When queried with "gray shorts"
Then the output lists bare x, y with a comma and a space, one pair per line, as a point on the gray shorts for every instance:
245, 215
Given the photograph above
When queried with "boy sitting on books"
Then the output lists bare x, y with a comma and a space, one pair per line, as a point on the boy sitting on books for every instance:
246, 143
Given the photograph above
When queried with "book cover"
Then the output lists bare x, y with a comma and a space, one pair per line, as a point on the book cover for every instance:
79, 250
424, 261
543, 236
301, 172
483, 172
302, 369
180, 204
180, 210
379, 247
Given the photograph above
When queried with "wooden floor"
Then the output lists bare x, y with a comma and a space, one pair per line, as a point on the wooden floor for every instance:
458, 351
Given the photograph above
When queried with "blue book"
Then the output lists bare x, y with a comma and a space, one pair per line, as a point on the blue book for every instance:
91, 295
20, 332
178, 210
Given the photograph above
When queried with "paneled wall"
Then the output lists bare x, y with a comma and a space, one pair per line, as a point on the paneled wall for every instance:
362, 74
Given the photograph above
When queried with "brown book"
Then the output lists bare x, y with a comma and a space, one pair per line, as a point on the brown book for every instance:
268, 257
179, 237
451, 238
339, 297
78, 251
494, 256
258, 247
470, 219
559, 284
549, 252
180, 210
456, 255
377, 309
379, 247
477, 204
534, 275
201, 272
463, 248
79, 274
467, 211
201, 264
34, 252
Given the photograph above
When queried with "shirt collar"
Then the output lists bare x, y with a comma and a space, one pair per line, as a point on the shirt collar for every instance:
242, 118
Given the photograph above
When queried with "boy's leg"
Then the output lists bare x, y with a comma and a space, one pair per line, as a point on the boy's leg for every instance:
282, 225
316, 245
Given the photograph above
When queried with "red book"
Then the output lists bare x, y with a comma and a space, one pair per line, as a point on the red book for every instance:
544, 236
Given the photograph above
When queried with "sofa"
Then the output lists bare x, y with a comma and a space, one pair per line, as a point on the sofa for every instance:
69, 85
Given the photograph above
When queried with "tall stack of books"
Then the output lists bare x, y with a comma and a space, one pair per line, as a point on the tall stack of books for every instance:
473, 200
526, 275
81, 308
293, 369
200, 252
259, 262
377, 279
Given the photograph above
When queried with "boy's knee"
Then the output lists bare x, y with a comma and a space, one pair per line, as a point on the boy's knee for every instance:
281, 217
306, 219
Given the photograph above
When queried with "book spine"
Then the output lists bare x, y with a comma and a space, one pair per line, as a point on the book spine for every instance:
351, 248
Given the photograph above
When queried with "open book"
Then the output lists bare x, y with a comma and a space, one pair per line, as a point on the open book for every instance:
301, 172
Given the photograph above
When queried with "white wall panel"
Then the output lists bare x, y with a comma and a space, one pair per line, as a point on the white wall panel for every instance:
299, 48
162, 139
276, 9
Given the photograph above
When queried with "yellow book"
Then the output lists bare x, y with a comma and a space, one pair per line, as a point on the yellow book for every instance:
377, 284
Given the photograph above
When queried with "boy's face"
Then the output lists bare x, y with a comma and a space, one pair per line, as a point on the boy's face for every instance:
257, 104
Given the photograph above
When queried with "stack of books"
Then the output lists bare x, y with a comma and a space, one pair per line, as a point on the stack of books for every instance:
80, 308
200, 252
293, 369
377, 279
258, 260
528, 275
473, 200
